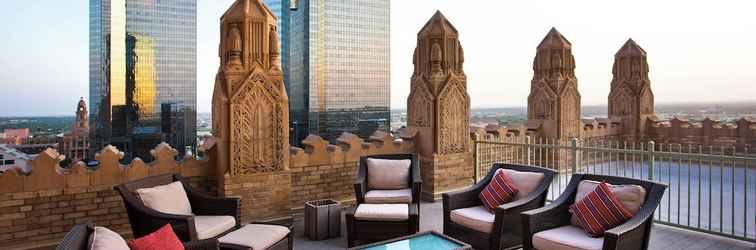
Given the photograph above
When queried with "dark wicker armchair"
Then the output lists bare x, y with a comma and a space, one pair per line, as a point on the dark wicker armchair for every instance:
145, 220
633, 234
78, 239
506, 232
371, 231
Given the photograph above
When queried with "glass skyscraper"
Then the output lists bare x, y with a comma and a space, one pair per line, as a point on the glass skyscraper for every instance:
142, 74
338, 66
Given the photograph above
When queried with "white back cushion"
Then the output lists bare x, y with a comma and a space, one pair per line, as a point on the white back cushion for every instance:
526, 182
169, 199
388, 174
631, 196
105, 239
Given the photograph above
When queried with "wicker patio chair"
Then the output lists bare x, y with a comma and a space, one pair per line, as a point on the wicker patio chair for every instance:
145, 220
506, 231
633, 234
78, 239
366, 231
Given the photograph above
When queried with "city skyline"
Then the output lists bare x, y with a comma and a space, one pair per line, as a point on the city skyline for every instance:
689, 54
142, 74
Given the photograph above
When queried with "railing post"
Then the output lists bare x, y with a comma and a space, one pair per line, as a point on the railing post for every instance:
476, 158
527, 150
651, 159
574, 151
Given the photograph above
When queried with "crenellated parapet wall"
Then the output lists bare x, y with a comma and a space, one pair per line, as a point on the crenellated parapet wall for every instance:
740, 134
41, 205
601, 128
325, 171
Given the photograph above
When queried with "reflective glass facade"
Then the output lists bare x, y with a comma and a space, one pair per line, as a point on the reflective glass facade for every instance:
142, 75
338, 67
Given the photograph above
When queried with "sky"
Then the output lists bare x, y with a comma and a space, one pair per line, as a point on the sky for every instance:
698, 51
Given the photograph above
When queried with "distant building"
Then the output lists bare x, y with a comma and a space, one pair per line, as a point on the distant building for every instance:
75, 144
15, 136
142, 64
11, 158
337, 73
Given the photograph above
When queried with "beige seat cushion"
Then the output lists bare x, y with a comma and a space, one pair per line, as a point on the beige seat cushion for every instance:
477, 218
211, 226
255, 236
388, 174
169, 199
105, 239
631, 196
382, 212
566, 238
389, 196
526, 182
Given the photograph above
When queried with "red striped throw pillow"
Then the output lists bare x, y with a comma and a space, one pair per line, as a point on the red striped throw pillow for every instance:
599, 211
499, 191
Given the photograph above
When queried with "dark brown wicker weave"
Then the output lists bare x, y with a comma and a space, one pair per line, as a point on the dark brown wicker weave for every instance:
145, 220
633, 234
78, 239
372, 231
507, 233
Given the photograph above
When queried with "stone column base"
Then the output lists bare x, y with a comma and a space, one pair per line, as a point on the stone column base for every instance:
444, 173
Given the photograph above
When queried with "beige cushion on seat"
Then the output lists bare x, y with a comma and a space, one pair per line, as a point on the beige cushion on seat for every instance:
169, 198
477, 218
105, 239
631, 196
566, 238
211, 226
526, 182
389, 196
388, 174
382, 212
256, 236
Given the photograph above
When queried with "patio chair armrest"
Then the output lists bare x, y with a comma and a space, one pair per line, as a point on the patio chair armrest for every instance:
633, 232
359, 191
467, 197
209, 244
360, 187
203, 204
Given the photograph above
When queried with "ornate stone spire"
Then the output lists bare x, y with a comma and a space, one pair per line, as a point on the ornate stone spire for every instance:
250, 109
554, 100
438, 105
631, 100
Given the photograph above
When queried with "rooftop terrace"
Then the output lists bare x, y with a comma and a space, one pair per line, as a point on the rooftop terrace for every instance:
662, 237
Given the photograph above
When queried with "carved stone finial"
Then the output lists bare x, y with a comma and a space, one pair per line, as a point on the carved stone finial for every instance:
235, 47
436, 57
235, 42
275, 60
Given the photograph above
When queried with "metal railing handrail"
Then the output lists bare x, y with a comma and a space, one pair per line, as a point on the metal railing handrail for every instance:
651, 161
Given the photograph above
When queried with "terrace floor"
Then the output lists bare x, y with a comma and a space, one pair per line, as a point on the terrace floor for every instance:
662, 237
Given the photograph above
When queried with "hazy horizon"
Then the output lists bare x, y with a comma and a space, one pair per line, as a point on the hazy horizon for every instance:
696, 50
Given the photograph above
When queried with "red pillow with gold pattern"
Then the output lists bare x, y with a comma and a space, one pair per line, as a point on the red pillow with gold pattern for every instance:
499, 191
599, 211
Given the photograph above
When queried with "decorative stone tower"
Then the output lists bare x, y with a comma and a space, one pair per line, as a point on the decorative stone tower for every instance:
554, 100
81, 125
250, 113
631, 100
439, 109
74, 145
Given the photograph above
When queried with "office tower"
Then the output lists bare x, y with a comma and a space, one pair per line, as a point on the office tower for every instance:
338, 67
142, 75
